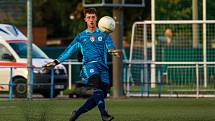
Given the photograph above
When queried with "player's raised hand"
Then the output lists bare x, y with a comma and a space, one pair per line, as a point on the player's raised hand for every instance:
115, 52
48, 66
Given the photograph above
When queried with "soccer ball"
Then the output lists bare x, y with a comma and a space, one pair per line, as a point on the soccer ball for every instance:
106, 24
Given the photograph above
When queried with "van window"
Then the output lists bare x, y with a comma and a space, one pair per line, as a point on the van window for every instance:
3, 51
21, 50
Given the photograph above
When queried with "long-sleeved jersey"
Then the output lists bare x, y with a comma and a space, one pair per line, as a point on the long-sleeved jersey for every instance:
93, 46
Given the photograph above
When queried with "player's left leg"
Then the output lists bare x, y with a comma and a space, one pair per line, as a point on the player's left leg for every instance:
96, 99
100, 92
100, 95
99, 98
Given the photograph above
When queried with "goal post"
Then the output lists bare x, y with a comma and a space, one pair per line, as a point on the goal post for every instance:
174, 42
110, 3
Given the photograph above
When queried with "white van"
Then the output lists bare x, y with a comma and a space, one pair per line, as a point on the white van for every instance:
13, 53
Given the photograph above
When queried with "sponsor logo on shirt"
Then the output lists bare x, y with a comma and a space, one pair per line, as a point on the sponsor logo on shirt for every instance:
100, 38
92, 38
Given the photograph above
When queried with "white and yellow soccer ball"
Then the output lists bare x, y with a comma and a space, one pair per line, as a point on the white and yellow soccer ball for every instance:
107, 24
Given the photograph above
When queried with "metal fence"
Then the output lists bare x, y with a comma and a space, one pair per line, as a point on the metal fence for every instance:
172, 79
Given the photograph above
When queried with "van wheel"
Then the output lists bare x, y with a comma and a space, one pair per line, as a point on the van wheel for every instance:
20, 88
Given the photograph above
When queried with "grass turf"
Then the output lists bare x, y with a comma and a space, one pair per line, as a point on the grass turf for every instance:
132, 109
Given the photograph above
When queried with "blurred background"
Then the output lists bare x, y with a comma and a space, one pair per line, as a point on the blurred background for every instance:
56, 22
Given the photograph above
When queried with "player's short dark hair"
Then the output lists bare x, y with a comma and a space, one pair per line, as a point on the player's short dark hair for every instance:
89, 11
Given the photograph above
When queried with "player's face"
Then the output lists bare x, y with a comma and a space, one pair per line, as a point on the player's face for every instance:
90, 19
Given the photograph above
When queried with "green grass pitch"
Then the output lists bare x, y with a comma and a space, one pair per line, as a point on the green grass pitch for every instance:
132, 109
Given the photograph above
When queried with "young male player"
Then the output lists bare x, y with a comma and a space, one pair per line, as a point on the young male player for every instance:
94, 46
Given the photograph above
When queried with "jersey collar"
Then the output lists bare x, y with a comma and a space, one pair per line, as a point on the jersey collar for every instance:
97, 30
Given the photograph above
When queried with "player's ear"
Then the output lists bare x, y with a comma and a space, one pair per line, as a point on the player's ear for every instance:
96, 18
85, 19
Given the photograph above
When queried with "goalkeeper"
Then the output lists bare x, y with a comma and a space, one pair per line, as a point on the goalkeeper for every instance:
94, 46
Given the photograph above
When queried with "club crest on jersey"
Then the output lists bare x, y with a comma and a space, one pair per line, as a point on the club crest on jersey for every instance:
100, 38
92, 38
91, 70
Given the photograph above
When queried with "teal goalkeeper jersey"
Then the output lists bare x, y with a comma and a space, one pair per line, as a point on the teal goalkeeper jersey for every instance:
93, 46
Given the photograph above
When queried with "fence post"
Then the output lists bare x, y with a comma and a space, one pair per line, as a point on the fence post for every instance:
197, 80
149, 82
159, 81
124, 77
32, 81
11, 83
52, 83
128, 78
142, 82
70, 76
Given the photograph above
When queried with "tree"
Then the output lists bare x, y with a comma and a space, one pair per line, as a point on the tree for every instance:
173, 9
55, 15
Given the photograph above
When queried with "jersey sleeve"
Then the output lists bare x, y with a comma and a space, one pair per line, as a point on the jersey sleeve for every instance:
70, 50
109, 42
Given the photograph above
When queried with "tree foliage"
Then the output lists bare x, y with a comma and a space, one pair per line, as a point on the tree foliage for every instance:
55, 15
173, 9
182, 9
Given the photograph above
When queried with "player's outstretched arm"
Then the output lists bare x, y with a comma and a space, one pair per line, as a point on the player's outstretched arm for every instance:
115, 52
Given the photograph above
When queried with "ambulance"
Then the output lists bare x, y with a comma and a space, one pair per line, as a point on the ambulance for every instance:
13, 66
